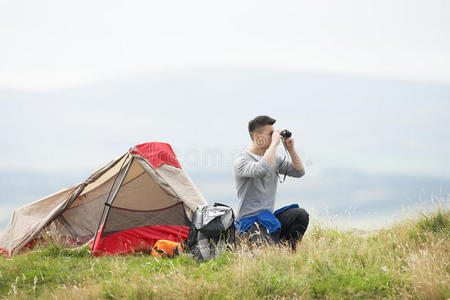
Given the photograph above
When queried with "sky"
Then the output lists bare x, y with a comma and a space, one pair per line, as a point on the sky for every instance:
57, 44
363, 85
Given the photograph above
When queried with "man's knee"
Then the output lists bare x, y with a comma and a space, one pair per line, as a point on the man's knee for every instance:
302, 216
294, 223
293, 220
299, 223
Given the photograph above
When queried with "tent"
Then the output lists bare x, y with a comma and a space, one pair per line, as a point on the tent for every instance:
126, 206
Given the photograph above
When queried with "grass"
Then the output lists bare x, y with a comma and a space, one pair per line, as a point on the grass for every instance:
409, 260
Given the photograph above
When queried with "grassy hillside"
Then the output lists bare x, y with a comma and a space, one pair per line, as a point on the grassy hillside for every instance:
410, 260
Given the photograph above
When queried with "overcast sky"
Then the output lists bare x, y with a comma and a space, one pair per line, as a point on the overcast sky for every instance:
364, 86
56, 44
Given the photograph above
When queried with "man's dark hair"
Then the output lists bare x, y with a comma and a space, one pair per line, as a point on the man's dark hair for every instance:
259, 122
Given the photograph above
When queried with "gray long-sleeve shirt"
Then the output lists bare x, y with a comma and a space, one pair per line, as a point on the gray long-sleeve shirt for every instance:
256, 182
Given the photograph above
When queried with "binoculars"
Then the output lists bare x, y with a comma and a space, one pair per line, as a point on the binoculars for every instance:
286, 133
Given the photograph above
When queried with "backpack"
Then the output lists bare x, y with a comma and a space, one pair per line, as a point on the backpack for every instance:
212, 231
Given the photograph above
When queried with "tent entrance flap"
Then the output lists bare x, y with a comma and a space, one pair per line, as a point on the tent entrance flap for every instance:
109, 200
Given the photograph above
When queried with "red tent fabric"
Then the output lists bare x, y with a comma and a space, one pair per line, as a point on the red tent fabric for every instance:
157, 154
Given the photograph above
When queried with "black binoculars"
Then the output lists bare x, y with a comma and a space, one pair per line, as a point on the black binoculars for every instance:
286, 133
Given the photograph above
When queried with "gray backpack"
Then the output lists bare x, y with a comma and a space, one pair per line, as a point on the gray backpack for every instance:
212, 231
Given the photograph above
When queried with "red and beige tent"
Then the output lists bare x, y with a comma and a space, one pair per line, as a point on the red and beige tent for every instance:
135, 200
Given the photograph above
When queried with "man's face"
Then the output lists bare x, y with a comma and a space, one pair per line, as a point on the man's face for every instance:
263, 136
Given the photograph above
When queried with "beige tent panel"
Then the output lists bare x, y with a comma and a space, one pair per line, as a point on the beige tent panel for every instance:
111, 173
182, 184
142, 192
137, 185
27, 220
81, 222
150, 170
176, 183
101, 191
134, 171
138, 192
104, 183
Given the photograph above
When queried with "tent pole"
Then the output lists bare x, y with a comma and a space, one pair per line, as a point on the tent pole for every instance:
107, 198
117, 190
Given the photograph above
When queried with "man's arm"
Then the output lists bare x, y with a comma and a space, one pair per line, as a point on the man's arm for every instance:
296, 161
248, 168
271, 152
295, 168
245, 167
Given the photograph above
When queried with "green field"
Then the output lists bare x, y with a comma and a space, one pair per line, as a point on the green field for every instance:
409, 260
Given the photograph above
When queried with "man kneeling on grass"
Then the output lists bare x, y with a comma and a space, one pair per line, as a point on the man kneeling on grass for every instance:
256, 175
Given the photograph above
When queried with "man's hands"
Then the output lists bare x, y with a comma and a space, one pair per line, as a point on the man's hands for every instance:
276, 137
289, 142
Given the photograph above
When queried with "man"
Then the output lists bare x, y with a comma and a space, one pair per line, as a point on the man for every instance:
256, 175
